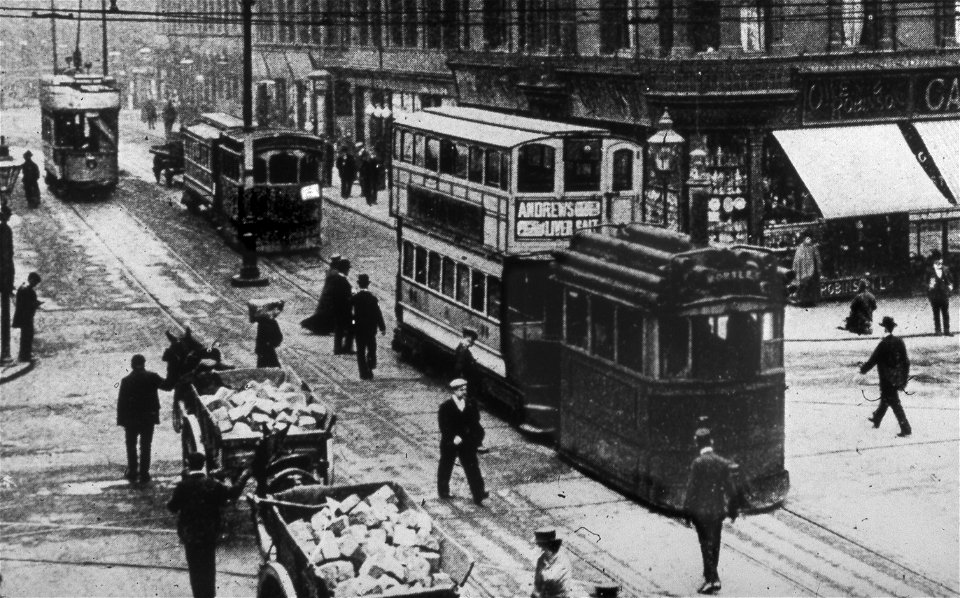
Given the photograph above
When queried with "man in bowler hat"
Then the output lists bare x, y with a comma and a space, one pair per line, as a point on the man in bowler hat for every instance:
710, 496
138, 411
939, 288
554, 574
367, 319
893, 368
460, 435
198, 500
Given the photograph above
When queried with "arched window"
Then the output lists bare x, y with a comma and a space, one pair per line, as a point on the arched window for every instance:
536, 169
283, 168
622, 170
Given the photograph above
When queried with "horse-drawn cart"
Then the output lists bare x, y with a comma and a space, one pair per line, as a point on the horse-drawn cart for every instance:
370, 540
261, 414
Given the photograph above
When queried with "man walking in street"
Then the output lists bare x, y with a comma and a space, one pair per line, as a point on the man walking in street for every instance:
367, 319
169, 117
26, 308
460, 435
893, 368
710, 496
553, 577
341, 292
198, 500
347, 170
138, 411
31, 178
939, 288
150, 113
269, 337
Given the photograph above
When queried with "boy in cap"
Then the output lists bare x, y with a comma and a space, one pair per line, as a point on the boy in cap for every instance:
893, 368
460, 435
367, 319
554, 575
710, 496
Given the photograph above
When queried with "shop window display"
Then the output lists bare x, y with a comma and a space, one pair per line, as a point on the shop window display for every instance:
728, 207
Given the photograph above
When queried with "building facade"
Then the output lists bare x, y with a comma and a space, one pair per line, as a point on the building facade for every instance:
765, 87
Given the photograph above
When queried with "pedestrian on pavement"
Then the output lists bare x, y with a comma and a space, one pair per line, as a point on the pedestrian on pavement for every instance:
939, 288
329, 156
554, 574
367, 319
169, 116
150, 113
710, 496
26, 308
321, 322
460, 435
464, 363
370, 170
347, 170
893, 368
198, 500
138, 411
808, 268
860, 320
341, 292
269, 337
31, 177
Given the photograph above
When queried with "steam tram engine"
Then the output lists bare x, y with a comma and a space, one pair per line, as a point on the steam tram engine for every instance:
79, 127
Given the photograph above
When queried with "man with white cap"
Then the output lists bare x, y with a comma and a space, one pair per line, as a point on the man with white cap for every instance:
460, 435
554, 575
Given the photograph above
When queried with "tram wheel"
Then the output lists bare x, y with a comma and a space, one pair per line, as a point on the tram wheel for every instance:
275, 582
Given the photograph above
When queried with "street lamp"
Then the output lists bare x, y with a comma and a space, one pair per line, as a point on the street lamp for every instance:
9, 171
663, 149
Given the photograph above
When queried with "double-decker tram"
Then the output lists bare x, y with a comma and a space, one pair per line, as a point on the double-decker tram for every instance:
656, 334
266, 177
481, 201
79, 127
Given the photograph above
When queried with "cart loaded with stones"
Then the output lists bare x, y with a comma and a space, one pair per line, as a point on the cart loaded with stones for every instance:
347, 541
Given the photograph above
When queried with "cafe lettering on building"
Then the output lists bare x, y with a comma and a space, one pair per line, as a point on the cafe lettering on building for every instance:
872, 97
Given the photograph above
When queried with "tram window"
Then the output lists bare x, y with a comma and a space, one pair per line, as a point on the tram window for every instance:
407, 259
463, 284
674, 347
623, 170
433, 271
768, 326
310, 168
419, 145
230, 165
476, 165
478, 292
493, 297
397, 145
601, 327
493, 168
504, 172
460, 156
448, 282
581, 165
575, 329
283, 168
630, 338
420, 265
431, 159
407, 146
447, 157
536, 169
259, 170
710, 351
743, 338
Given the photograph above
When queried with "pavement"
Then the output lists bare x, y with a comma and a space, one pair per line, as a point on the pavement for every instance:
868, 514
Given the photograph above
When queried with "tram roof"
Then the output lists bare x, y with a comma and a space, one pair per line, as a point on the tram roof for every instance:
489, 128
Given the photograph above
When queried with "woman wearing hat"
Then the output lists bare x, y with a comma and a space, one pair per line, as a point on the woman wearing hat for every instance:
554, 575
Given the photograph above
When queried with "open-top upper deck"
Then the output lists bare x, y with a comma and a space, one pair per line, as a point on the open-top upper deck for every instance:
79, 92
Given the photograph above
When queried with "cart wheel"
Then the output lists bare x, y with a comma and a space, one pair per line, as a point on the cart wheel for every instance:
275, 582
289, 478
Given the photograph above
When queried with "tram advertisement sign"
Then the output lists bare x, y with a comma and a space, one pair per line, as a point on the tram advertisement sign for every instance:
552, 219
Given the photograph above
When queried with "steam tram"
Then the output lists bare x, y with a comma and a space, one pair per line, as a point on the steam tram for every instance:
79, 127
481, 200
609, 338
656, 334
265, 179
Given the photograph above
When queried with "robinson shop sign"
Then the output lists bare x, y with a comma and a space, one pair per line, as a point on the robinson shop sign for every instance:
873, 97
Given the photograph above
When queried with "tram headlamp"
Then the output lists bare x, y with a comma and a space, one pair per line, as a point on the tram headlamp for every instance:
91, 162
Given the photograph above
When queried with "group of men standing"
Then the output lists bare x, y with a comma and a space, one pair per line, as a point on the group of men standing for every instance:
363, 165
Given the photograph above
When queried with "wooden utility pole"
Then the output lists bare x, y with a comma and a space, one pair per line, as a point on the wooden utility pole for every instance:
103, 27
247, 64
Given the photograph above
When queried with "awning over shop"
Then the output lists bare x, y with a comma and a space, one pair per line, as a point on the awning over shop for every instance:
300, 65
276, 65
259, 67
860, 171
942, 139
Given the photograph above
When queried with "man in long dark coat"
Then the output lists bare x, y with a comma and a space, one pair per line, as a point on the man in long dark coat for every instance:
341, 292
347, 170
26, 308
460, 435
710, 496
269, 338
939, 288
31, 177
198, 500
321, 322
138, 411
893, 368
367, 319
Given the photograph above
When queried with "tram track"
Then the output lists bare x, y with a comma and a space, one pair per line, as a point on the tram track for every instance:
757, 543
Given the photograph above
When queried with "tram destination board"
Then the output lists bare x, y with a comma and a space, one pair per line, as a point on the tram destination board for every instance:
552, 219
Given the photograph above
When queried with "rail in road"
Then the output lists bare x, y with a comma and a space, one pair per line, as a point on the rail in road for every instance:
806, 554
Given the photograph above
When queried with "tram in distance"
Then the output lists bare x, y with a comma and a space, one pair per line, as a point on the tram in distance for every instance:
269, 178
611, 339
80, 131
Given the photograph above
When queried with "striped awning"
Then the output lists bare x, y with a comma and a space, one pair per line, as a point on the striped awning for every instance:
942, 139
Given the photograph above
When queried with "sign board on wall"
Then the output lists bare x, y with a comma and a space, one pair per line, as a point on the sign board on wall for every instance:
552, 219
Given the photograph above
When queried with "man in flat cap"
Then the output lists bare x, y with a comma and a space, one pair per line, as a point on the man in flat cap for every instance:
138, 411
460, 435
367, 319
31, 175
709, 498
554, 575
893, 367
